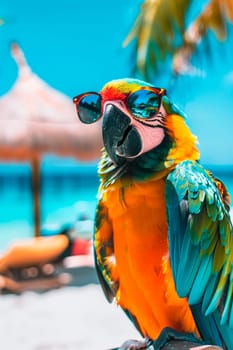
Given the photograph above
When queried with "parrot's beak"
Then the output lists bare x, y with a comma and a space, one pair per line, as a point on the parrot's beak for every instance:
120, 138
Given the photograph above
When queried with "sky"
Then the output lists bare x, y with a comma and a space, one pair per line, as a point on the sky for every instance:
76, 46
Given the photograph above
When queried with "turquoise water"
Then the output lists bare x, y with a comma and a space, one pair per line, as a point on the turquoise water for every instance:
67, 193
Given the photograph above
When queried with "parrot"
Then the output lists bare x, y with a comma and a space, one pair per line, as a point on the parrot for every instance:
163, 238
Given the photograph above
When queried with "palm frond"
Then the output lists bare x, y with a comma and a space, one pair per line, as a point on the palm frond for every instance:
214, 17
156, 30
160, 31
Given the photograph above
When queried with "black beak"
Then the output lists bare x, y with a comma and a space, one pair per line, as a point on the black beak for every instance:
121, 139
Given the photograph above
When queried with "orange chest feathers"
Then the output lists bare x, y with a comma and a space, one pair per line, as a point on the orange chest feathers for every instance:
146, 289
138, 216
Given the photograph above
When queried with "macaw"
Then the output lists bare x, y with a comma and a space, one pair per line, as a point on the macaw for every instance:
163, 241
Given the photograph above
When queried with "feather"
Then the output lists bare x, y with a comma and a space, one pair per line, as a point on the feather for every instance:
209, 292
207, 326
203, 273
227, 311
200, 281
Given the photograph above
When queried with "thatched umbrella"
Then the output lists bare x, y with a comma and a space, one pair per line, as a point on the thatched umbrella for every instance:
35, 119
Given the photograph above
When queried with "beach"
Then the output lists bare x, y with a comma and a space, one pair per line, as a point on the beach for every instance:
74, 317
68, 318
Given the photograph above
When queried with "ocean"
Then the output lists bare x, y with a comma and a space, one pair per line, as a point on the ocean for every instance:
67, 194
67, 197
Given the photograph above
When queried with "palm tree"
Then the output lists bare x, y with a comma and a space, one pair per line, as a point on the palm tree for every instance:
162, 34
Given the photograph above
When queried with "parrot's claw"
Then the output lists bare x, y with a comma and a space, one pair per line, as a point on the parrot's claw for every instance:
133, 344
169, 334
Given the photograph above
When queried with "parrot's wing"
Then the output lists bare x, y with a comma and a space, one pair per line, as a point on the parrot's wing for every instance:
103, 252
200, 241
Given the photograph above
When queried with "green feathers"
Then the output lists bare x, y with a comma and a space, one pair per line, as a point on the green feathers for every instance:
201, 240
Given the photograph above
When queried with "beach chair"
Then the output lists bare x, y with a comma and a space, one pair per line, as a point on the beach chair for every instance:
33, 264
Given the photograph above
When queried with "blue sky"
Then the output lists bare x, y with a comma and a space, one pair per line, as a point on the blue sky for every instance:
76, 46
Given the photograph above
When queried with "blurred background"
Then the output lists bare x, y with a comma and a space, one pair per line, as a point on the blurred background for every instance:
53, 50
73, 46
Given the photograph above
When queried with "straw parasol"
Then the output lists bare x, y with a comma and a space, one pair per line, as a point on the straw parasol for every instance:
36, 119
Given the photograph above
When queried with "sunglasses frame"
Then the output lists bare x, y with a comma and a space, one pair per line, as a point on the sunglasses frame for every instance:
160, 92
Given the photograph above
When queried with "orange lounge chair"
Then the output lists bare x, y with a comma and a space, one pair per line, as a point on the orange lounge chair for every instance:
29, 265
33, 252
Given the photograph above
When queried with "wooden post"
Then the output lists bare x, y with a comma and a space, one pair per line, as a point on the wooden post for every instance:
35, 163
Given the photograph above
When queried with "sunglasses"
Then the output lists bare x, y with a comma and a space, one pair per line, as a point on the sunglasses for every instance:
142, 104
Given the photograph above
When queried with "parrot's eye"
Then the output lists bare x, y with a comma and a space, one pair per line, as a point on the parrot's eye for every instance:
143, 103
88, 107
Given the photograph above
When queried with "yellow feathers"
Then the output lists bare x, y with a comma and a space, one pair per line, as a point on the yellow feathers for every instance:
185, 143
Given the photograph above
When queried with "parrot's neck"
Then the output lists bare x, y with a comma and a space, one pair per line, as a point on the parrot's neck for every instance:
184, 145
179, 144
141, 168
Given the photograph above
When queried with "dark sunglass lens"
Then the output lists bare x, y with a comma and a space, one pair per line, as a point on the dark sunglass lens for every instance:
89, 108
144, 103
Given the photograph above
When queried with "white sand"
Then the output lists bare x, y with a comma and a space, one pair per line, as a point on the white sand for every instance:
70, 318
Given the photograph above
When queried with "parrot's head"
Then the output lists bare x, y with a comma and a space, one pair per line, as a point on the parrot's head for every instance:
141, 127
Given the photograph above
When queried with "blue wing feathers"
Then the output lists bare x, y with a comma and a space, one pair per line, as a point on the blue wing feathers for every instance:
207, 326
209, 292
225, 331
186, 271
201, 248
227, 315
198, 287
215, 301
